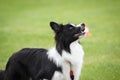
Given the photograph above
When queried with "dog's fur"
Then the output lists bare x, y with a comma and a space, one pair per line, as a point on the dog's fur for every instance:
52, 64
2, 73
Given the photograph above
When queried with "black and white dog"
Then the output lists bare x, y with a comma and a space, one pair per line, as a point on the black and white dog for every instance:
52, 64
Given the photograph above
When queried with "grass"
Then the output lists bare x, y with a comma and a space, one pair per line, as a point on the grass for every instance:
25, 23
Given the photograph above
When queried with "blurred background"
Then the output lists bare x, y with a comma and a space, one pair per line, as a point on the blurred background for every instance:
25, 23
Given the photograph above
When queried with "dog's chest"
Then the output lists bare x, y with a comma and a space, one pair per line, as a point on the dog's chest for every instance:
76, 55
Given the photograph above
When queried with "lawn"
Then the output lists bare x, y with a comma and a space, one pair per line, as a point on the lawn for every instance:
25, 23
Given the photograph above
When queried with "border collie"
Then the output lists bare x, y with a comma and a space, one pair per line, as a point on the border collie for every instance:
51, 64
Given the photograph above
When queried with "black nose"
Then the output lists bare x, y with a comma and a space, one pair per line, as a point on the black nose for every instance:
82, 26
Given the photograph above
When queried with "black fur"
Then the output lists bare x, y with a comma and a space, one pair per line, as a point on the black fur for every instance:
2, 73
34, 63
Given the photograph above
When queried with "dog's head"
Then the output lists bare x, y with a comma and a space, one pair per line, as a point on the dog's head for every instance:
66, 34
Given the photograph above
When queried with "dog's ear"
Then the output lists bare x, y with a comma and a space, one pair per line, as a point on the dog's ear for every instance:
55, 26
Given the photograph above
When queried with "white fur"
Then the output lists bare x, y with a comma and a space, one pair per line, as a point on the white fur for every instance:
69, 61
58, 76
72, 24
73, 60
78, 25
54, 56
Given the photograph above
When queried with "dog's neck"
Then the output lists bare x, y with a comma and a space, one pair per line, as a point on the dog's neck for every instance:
60, 46
76, 51
75, 45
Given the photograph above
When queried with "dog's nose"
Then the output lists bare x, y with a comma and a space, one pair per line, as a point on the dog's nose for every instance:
82, 26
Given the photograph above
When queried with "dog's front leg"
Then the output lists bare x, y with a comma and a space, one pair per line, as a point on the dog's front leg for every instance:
66, 70
77, 71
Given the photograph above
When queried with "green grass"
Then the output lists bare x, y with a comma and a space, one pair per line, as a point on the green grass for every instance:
25, 23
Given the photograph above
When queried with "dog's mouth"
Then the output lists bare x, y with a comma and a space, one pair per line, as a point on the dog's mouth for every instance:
80, 34
82, 30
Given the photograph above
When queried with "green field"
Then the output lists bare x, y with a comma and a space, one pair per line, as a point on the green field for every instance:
25, 23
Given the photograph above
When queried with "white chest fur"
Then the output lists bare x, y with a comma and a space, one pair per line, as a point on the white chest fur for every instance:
75, 59
76, 55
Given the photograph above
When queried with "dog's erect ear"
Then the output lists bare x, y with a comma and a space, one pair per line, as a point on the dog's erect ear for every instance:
55, 26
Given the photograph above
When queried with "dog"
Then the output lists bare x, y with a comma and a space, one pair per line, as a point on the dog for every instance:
51, 64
